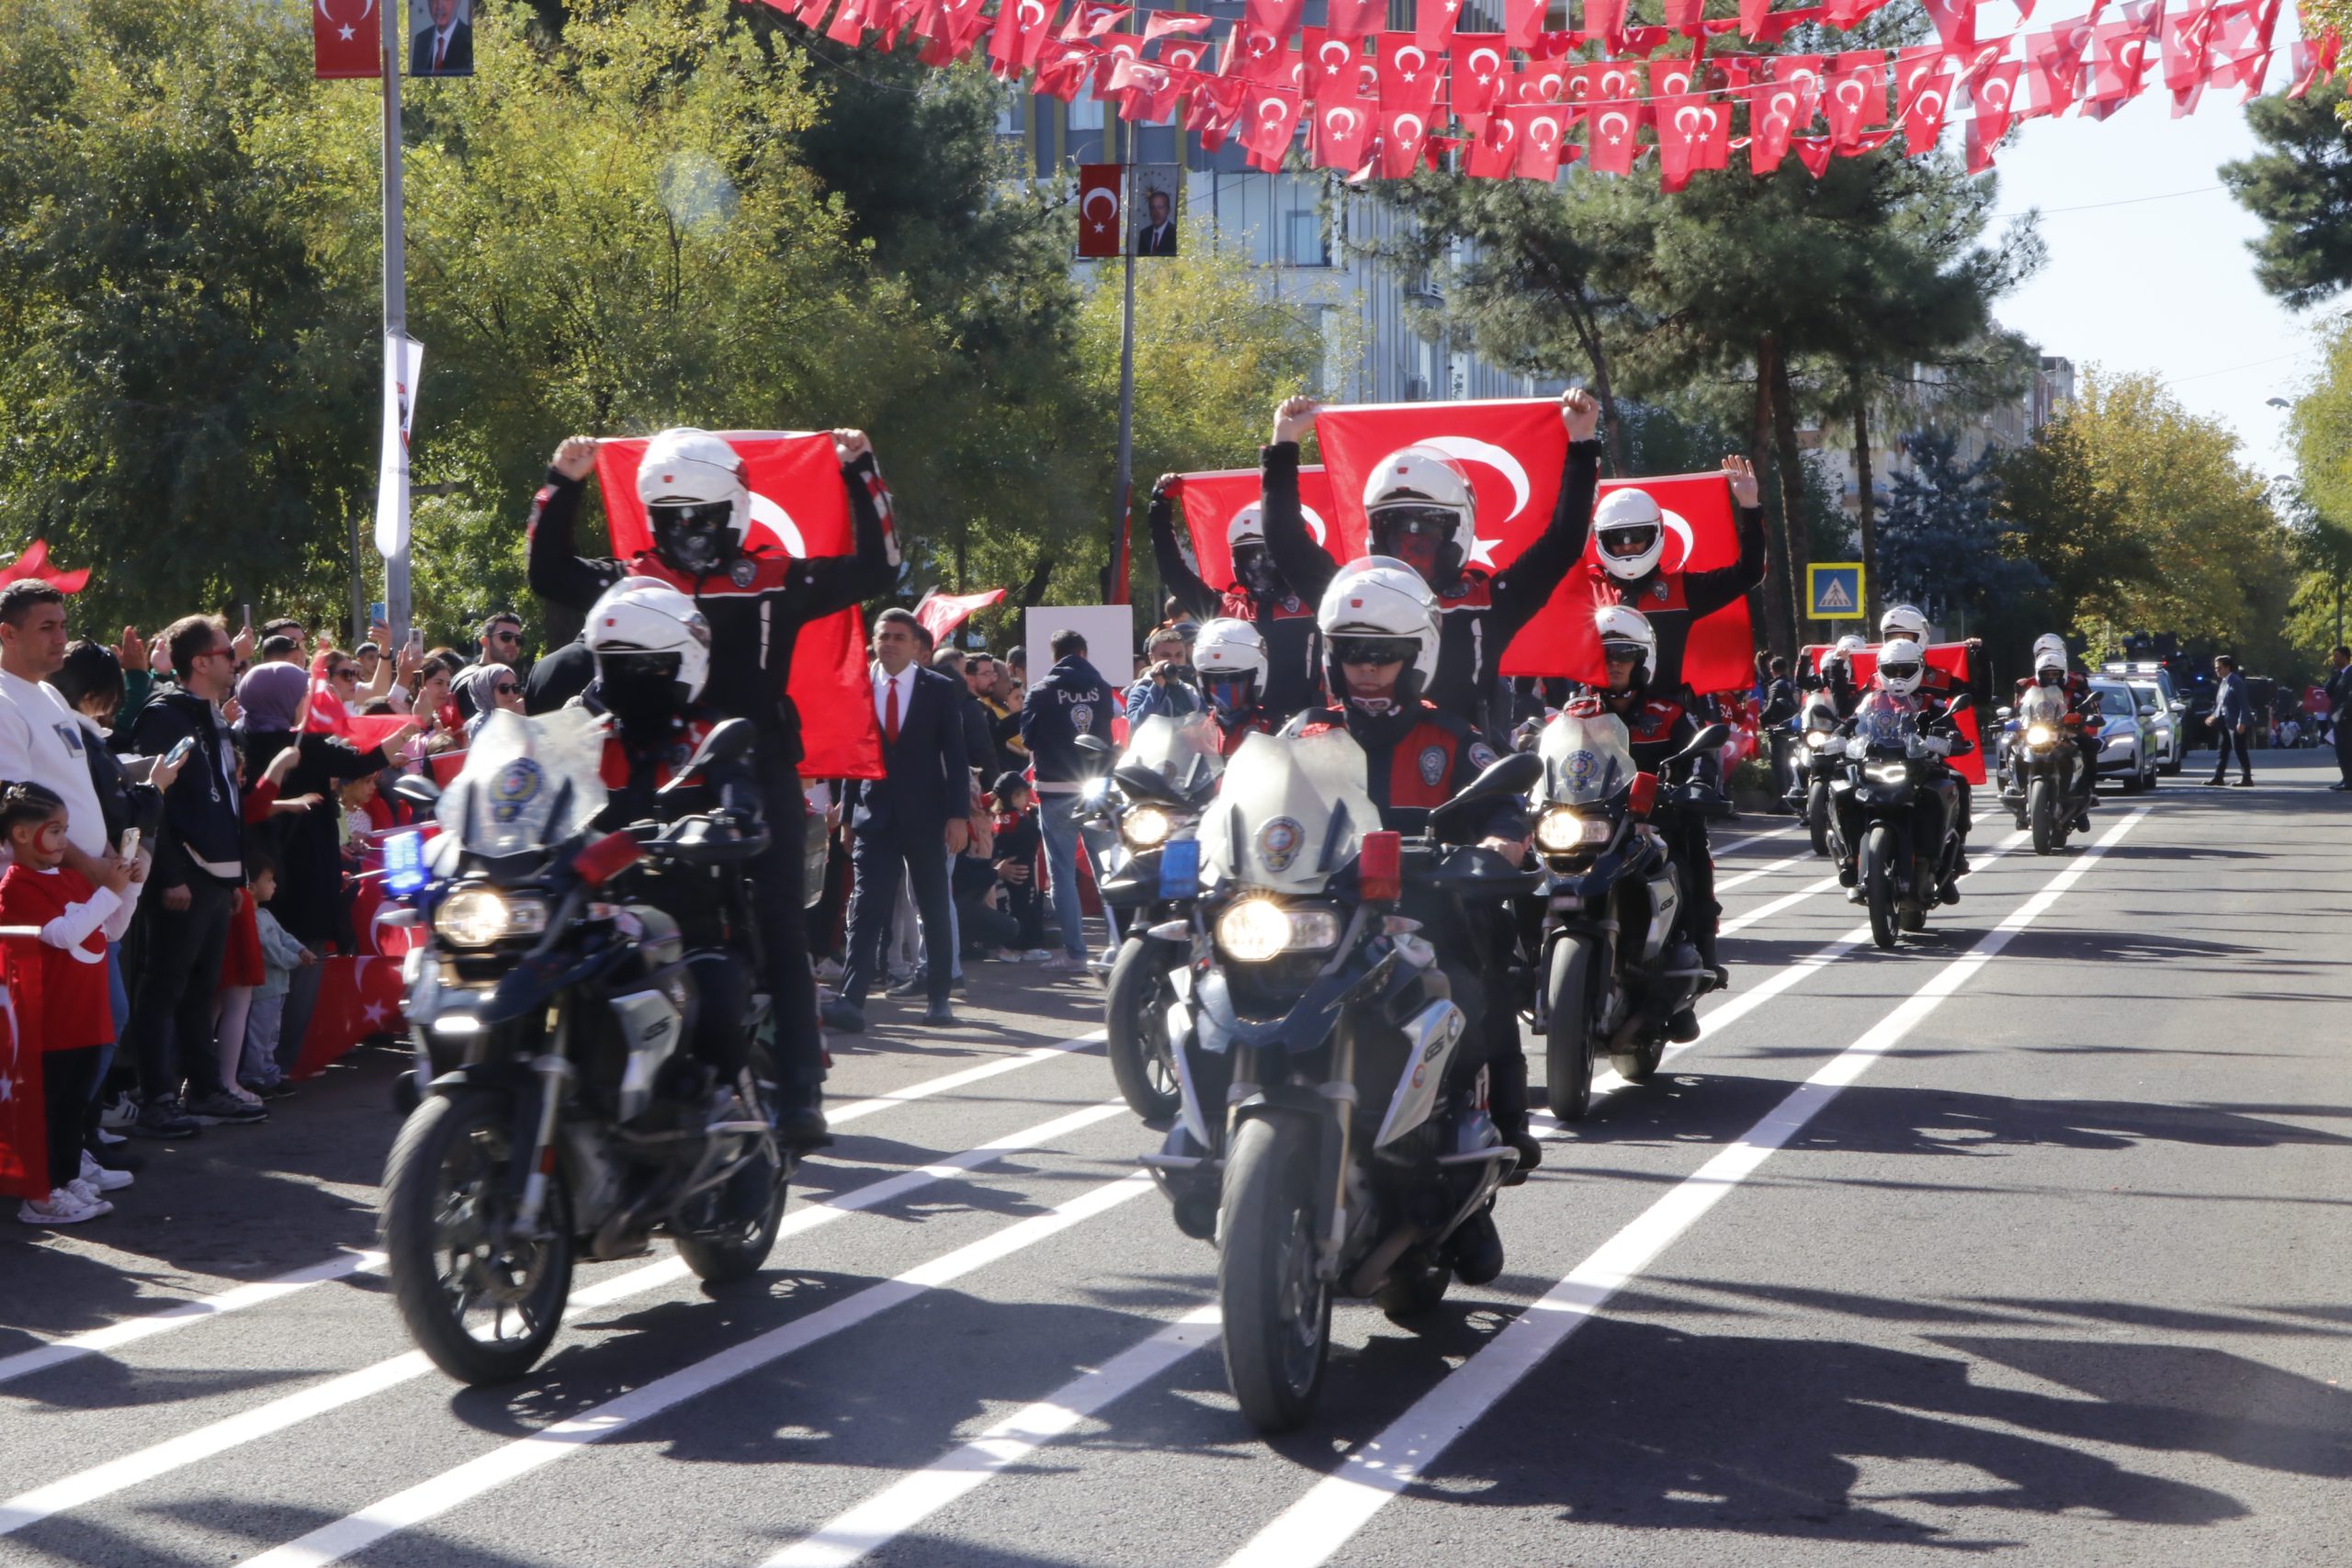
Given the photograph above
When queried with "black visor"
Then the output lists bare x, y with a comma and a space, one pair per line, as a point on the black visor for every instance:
695, 537
1411, 518
1625, 542
1346, 649
1900, 671
637, 684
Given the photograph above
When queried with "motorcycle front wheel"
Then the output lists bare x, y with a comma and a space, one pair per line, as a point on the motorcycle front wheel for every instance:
1568, 1040
1277, 1313
1136, 1032
1816, 815
1878, 883
483, 1301
2042, 811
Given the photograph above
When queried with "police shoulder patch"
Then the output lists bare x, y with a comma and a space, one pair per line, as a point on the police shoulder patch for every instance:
1482, 756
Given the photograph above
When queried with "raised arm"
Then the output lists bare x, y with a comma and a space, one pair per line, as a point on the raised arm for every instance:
1305, 565
836, 582
558, 574
1523, 589
1707, 592
1176, 574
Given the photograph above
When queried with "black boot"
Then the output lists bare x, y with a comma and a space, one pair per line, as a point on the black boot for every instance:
800, 1116
1476, 1249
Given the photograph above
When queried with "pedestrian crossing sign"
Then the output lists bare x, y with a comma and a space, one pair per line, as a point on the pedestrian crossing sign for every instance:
1833, 590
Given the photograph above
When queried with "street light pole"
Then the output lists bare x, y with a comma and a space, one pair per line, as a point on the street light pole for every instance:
396, 577
1124, 490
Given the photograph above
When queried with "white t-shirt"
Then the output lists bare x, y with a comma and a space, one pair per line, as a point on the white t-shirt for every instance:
42, 740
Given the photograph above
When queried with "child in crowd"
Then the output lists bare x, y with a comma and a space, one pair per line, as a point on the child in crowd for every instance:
71, 1019
241, 972
280, 955
1017, 841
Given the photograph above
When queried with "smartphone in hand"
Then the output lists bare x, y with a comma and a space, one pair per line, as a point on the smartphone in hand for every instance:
179, 753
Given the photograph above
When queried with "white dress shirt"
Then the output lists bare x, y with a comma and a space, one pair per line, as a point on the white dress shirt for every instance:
905, 681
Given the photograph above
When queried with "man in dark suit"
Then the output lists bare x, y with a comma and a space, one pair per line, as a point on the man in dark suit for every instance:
445, 49
2232, 720
2339, 710
901, 822
1157, 238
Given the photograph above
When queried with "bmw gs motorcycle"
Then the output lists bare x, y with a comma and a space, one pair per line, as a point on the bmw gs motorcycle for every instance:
1615, 962
1150, 807
1812, 763
561, 1117
1320, 1140
1895, 777
2045, 780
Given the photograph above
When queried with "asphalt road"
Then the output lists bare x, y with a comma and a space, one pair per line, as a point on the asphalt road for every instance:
2024, 1241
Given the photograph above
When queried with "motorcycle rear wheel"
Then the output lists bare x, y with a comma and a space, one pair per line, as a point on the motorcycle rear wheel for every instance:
1136, 1033
723, 1255
1567, 1043
1878, 883
483, 1304
2042, 811
1277, 1313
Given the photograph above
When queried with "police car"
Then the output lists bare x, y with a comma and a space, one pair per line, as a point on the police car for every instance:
2127, 747
2163, 709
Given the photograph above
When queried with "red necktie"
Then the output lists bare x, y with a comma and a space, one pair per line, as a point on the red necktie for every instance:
440, 48
890, 713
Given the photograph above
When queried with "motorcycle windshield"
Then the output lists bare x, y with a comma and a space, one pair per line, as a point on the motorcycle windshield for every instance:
1585, 759
1187, 752
2044, 704
527, 782
1291, 810
1885, 723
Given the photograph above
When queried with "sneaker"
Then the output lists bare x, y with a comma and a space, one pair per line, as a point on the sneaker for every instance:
98, 1179
1004, 956
918, 981
108, 1140
1037, 955
113, 1156
1063, 964
828, 970
63, 1207
282, 1089
222, 1106
163, 1119
120, 1111
90, 1194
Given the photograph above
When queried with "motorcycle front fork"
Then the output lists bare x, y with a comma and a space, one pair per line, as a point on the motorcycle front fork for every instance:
553, 1067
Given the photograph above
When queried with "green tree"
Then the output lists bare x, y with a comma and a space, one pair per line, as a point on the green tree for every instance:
2299, 185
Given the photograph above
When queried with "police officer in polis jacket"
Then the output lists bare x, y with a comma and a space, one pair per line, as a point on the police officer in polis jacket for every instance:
1072, 700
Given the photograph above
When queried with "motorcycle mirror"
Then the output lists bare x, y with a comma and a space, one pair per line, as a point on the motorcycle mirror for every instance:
1960, 704
1514, 774
1147, 783
417, 790
1707, 740
1093, 745
2003, 712
729, 740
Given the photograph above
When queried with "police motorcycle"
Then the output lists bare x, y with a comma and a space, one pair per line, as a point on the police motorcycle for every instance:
1812, 766
560, 1118
2045, 781
1149, 807
1320, 1141
1615, 963
1895, 770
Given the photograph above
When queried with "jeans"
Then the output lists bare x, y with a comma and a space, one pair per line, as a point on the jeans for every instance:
1062, 865
258, 1068
171, 1007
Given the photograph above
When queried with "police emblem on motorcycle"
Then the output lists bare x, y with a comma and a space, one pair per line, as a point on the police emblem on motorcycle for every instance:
1081, 718
1583, 767
517, 785
742, 571
1278, 842
1432, 764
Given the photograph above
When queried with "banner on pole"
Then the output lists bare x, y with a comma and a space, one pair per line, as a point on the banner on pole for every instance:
440, 37
1159, 189
346, 41
1098, 220
403, 361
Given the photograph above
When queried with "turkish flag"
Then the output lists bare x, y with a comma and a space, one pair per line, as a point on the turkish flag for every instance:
1212, 501
1403, 134
323, 713
346, 43
1354, 19
1147, 92
1511, 448
1711, 148
1672, 78
1813, 152
1100, 234
799, 507
1158, 25
1480, 67
1433, 23
1955, 22
1522, 23
1856, 95
1342, 133
1214, 108
1609, 142
1542, 139
1604, 20
1703, 533
1273, 19
1494, 155
1683, 15
1951, 657
961, 24
943, 613
1090, 19
24, 1127
1023, 29
1773, 109
1410, 72
1923, 93
359, 997
1330, 65
1680, 123
1062, 70
2055, 59
1269, 120
34, 564
1991, 99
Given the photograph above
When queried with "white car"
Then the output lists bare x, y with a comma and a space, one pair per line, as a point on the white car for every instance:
2126, 745
2163, 709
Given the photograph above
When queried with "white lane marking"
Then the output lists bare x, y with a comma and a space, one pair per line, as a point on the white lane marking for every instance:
1737, 845
181, 1314
1728, 882
897, 1508
430, 1499
189, 1448
1320, 1523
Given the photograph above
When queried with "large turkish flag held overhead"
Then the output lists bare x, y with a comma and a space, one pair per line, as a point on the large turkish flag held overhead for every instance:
1949, 657
1511, 448
797, 506
1210, 502
1703, 533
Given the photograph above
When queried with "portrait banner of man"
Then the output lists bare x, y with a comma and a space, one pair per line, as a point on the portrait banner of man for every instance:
1156, 191
440, 37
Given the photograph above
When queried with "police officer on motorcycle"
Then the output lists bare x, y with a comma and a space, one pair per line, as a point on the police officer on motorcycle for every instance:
1258, 597
652, 653
1909, 623
1379, 623
2049, 669
1231, 659
1902, 675
1656, 727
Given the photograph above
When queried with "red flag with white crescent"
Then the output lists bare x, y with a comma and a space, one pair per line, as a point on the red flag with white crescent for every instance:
800, 508
1212, 501
943, 613
1100, 233
1511, 448
24, 1128
346, 41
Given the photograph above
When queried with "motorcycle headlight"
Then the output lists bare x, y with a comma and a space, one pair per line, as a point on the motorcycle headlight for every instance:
1887, 773
1816, 739
1255, 929
476, 917
2039, 735
1563, 830
1146, 826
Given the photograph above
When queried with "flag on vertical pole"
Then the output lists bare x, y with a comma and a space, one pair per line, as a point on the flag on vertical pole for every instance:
1100, 234
346, 41
403, 361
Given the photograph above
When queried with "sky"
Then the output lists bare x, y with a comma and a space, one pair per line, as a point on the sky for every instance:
2164, 285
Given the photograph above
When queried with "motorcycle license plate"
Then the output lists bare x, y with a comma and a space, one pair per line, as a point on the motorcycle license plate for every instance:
1179, 868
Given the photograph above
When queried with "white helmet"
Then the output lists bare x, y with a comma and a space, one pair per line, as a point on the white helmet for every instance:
1629, 532
1848, 645
1901, 665
1379, 600
1626, 630
1903, 621
652, 648
1247, 526
1228, 652
2049, 653
698, 498
1421, 511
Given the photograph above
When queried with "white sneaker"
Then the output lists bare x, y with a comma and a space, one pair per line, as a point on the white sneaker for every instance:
99, 1179
63, 1207
1037, 955
1063, 964
90, 1194
120, 1111
110, 1139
